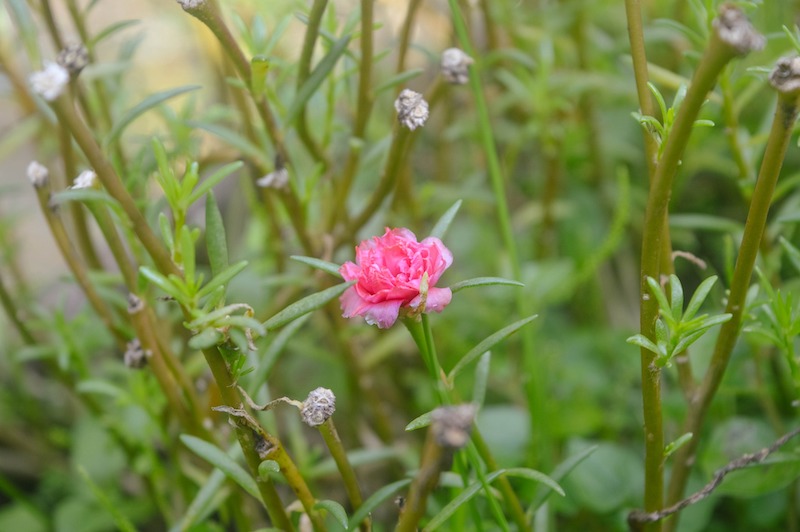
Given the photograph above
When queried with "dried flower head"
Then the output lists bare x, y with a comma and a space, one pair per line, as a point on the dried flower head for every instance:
455, 66
135, 356
50, 82
734, 29
318, 407
37, 174
785, 77
74, 58
277, 179
412, 109
85, 179
452, 425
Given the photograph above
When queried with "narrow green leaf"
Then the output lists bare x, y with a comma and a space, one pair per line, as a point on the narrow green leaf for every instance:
329, 267
676, 297
259, 65
316, 78
306, 305
336, 510
486, 345
236, 140
642, 341
560, 473
162, 282
483, 281
145, 105
375, 500
222, 278
441, 226
166, 231
122, 523
397, 79
475, 487
422, 421
677, 444
205, 339
212, 317
213, 180
86, 195
110, 30
481, 379
187, 256
190, 179
203, 501
658, 293
699, 297
220, 459
216, 242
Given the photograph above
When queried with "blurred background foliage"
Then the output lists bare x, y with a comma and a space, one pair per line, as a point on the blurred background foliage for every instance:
558, 80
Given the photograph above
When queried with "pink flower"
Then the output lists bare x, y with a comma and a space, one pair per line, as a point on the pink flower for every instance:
389, 270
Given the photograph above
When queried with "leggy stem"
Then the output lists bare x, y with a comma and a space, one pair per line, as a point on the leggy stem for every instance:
334, 444
433, 456
786, 113
77, 268
717, 54
113, 184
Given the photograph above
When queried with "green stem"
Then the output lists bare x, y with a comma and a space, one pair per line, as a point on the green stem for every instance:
780, 134
113, 184
363, 109
433, 457
334, 444
247, 441
303, 70
717, 55
9, 305
75, 265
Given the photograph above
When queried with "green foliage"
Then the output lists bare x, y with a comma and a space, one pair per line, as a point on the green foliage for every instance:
677, 328
532, 175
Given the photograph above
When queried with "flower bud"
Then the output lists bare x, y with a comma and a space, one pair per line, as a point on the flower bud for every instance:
452, 425
412, 109
277, 179
37, 174
455, 66
85, 179
191, 4
74, 58
50, 82
318, 407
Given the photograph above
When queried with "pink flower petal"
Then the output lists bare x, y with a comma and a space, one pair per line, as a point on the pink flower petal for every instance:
383, 314
438, 298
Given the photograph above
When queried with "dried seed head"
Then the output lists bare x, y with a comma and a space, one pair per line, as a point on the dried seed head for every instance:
135, 357
191, 4
135, 304
785, 77
85, 179
455, 66
318, 407
74, 58
277, 179
451, 425
734, 29
412, 109
37, 174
